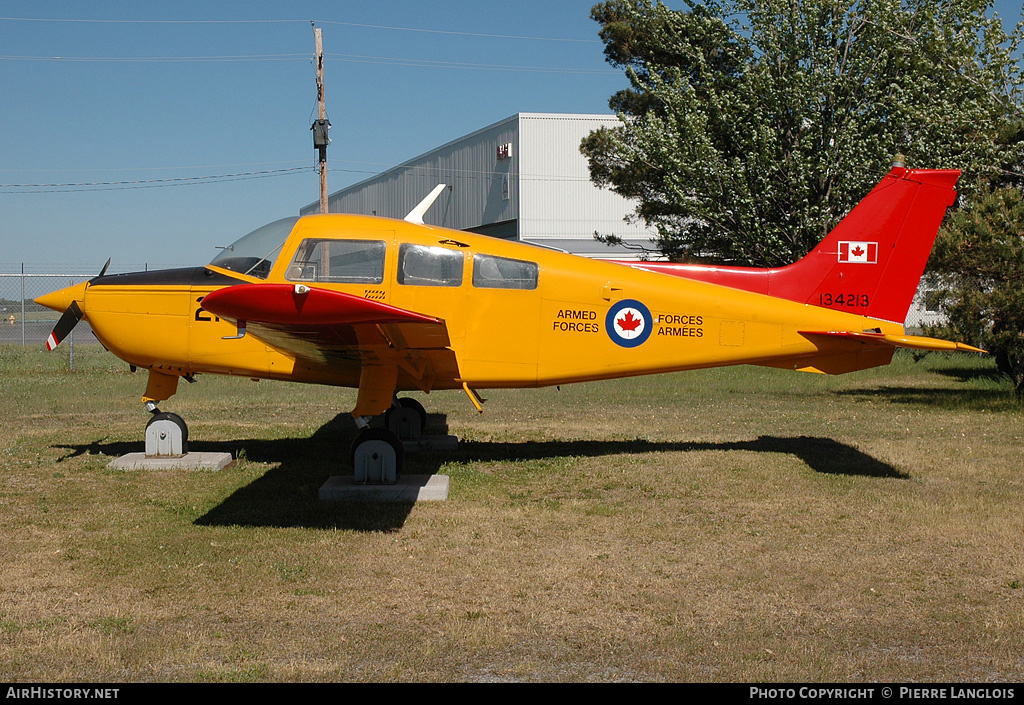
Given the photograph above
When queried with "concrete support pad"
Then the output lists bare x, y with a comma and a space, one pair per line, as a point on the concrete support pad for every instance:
189, 461
408, 488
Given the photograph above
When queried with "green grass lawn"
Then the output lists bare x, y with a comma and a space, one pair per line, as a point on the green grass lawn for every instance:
740, 524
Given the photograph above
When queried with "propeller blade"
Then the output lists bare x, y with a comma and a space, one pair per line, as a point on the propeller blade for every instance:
69, 320
104, 270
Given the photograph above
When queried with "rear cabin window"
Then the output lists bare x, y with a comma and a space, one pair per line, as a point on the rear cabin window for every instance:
419, 265
491, 272
338, 261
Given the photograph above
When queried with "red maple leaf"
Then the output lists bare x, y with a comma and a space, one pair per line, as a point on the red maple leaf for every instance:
857, 251
628, 323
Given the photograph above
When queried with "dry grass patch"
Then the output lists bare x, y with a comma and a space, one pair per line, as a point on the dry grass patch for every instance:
737, 525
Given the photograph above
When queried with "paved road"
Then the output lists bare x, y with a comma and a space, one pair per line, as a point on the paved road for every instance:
36, 333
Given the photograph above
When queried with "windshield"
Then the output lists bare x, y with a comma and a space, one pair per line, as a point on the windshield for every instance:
255, 253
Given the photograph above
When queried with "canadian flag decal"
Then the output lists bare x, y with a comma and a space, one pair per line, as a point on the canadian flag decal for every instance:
860, 252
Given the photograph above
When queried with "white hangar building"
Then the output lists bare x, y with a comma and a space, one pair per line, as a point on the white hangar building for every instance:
522, 178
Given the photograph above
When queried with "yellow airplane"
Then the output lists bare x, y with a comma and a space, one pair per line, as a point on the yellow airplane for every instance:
387, 306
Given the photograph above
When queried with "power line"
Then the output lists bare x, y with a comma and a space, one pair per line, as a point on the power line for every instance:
379, 168
350, 58
147, 183
429, 63
109, 21
423, 30
161, 59
465, 34
145, 168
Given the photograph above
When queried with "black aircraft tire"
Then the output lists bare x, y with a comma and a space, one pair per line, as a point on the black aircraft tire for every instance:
173, 418
165, 423
379, 434
409, 403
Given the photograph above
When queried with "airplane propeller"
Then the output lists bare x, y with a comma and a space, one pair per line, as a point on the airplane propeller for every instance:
70, 318
72, 315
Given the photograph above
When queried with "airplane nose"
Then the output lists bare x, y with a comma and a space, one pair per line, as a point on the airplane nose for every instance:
60, 300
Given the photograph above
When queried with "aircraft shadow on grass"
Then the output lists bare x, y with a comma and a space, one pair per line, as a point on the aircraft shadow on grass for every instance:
970, 374
990, 389
951, 399
286, 495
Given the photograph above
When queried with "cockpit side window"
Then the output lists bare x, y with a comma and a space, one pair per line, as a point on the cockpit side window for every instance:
255, 253
338, 261
490, 272
429, 266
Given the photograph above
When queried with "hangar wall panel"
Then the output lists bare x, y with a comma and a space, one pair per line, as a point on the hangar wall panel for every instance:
559, 200
521, 177
483, 188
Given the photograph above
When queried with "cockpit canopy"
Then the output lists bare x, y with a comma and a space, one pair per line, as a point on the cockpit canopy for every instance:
254, 254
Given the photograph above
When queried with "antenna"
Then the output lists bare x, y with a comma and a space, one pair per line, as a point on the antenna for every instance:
416, 214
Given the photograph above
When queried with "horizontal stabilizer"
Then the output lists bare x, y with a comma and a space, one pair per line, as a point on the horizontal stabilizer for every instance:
915, 342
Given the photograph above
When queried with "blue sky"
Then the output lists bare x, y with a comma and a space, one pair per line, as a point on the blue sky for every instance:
401, 78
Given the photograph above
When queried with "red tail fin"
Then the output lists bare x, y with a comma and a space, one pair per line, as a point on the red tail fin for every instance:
870, 264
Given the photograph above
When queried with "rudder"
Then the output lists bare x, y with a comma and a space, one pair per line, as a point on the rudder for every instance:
872, 261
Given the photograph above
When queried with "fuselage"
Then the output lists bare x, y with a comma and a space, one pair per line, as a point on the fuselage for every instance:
516, 315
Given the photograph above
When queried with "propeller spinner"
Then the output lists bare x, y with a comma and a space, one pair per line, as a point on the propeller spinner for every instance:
67, 300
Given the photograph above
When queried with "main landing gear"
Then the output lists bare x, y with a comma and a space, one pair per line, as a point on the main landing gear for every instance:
378, 454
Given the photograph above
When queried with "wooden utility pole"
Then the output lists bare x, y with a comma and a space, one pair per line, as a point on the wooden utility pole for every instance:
322, 124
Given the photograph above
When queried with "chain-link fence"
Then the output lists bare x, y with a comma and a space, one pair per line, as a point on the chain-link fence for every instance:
22, 320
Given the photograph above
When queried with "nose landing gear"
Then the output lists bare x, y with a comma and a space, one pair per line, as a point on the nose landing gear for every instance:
167, 435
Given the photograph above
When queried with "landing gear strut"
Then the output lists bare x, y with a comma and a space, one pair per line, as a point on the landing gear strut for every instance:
166, 434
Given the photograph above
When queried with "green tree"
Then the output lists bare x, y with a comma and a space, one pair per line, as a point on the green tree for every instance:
978, 261
751, 127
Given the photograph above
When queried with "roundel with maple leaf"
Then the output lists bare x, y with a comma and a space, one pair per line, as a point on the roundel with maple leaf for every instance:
628, 323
